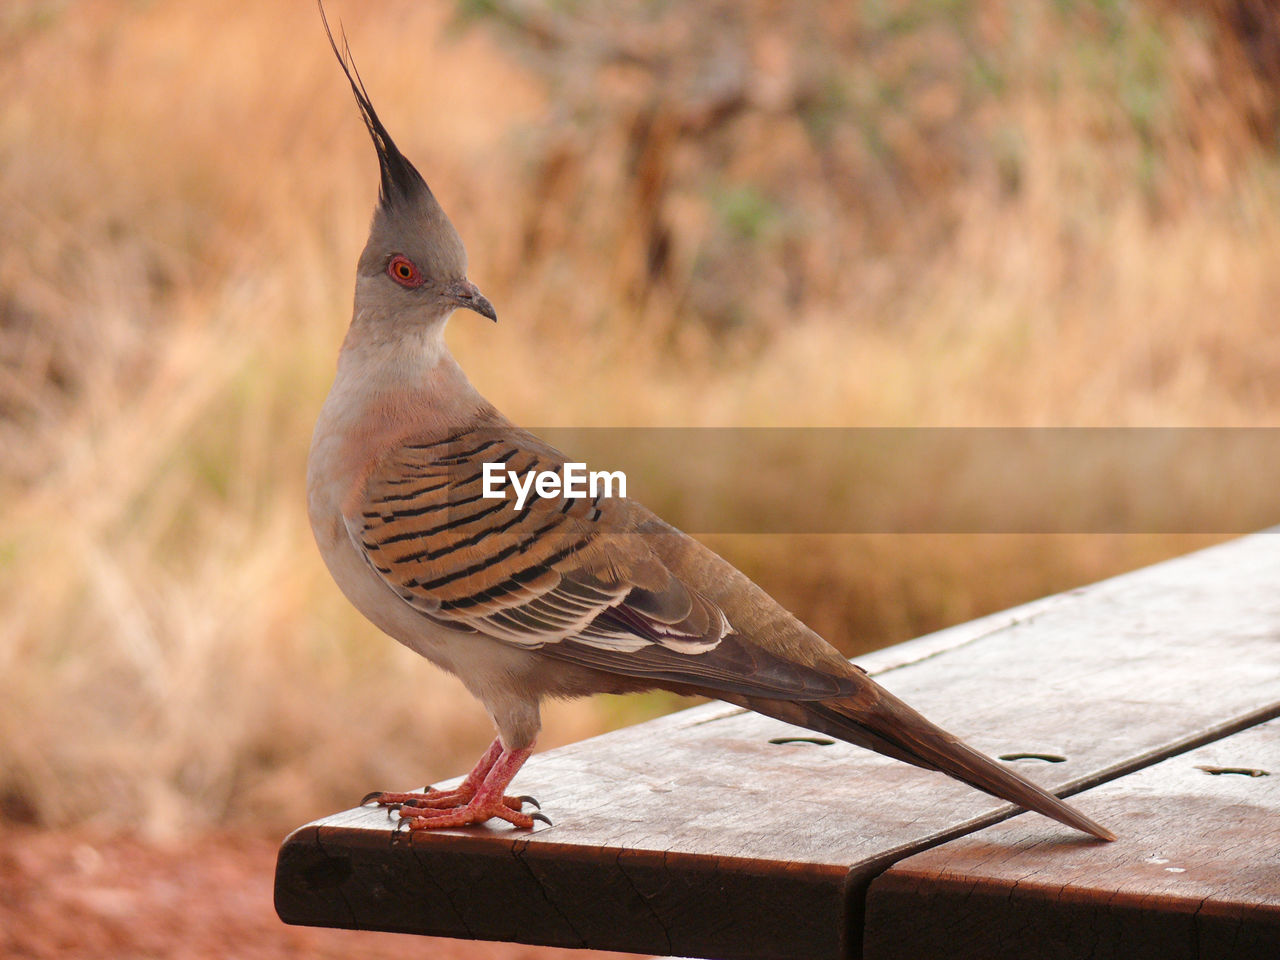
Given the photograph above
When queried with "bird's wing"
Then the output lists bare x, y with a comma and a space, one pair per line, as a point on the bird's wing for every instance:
573, 577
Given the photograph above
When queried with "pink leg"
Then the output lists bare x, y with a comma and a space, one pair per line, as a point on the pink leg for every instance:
461, 797
488, 802
456, 797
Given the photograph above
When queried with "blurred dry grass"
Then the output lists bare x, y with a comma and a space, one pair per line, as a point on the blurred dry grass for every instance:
926, 213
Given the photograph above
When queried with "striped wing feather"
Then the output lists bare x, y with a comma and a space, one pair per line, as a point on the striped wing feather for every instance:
555, 569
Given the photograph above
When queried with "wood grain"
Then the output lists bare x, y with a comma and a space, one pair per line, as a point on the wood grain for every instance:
1195, 874
695, 835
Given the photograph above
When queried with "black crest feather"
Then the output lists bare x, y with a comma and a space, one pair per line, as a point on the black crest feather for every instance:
400, 179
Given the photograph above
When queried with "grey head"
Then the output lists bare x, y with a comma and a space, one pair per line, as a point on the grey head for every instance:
414, 264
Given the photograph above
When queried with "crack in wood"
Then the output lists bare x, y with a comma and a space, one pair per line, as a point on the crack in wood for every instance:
519, 849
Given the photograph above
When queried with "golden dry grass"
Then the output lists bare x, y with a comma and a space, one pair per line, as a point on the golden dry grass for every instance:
184, 189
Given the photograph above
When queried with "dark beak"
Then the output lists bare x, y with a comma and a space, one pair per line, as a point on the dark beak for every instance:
464, 294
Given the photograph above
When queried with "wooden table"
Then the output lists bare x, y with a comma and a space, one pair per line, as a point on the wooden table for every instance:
718, 833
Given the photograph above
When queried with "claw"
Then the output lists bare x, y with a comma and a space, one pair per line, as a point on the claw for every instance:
541, 816
371, 796
478, 799
525, 798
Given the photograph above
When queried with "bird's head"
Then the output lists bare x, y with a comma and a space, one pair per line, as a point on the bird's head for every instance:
414, 265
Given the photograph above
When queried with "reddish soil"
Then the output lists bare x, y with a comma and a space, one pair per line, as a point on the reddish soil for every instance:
78, 895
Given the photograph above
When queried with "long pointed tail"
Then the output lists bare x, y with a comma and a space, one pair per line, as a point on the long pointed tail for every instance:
885, 724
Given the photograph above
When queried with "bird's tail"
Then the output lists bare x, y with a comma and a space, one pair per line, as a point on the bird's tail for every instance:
885, 724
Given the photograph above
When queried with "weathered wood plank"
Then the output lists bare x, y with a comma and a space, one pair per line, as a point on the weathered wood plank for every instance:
695, 835
1195, 874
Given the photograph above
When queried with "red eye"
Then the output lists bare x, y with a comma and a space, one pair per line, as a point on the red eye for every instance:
402, 270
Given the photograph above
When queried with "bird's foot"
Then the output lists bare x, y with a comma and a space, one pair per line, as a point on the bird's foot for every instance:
479, 809
433, 799
480, 797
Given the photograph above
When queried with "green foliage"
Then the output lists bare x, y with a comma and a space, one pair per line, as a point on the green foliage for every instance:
745, 212
901, 104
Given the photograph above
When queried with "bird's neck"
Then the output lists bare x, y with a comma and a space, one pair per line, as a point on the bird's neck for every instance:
404, 378
391, 349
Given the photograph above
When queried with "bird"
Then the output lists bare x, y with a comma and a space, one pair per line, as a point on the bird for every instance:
557, 596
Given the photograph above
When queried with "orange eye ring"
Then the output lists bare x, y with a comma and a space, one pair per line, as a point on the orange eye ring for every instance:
404, 272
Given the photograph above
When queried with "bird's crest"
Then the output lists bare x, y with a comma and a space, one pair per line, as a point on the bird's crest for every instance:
400, 179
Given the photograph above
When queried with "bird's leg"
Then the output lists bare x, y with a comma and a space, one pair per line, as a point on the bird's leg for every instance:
488, 801
443, 798
457, 797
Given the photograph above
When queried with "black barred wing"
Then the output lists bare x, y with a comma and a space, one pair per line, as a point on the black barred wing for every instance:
456, 540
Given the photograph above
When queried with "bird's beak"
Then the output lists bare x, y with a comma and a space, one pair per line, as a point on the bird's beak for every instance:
464, 294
